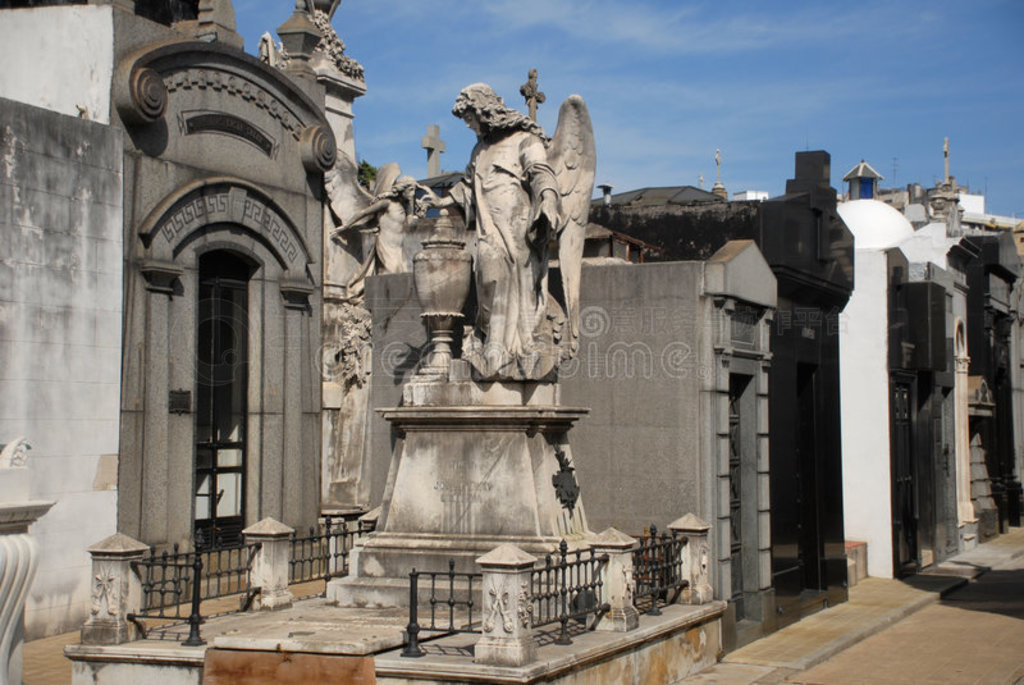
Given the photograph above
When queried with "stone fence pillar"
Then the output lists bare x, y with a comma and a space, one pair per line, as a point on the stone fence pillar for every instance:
617, 579
18, 554
507, 608
116, 591
695, 558
270, 566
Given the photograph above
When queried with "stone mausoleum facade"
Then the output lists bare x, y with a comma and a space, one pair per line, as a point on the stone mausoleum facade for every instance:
163, 230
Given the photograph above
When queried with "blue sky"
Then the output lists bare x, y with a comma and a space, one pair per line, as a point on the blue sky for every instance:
667, 82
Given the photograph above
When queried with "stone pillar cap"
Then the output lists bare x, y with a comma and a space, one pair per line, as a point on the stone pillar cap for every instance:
507, 555
118, 545
691, 523
268, 528
613, 538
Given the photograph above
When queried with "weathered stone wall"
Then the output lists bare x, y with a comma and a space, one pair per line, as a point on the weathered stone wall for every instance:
638, 370
60, 338
72, 46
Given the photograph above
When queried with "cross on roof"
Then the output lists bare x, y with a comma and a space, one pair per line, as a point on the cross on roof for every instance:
434, 146
532, 94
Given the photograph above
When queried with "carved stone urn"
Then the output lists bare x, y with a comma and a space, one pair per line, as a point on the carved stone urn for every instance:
442, 271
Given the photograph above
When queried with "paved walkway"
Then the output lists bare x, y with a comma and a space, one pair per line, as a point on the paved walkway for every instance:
974, 635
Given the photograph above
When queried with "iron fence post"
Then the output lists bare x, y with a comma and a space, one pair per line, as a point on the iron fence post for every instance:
412, 631
563, 592
194, 619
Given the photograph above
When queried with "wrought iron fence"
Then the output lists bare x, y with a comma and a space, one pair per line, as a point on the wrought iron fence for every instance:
323, 552
658, 570
175, 583
450, 601
569, 589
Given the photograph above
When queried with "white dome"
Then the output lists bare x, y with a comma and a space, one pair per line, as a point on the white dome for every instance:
874, 224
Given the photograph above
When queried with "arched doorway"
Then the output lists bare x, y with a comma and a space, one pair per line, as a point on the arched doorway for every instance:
222, 382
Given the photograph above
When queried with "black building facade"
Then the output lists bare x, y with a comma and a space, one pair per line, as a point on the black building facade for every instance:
991, 277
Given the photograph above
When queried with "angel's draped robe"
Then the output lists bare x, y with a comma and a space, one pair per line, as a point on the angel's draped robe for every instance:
499, 195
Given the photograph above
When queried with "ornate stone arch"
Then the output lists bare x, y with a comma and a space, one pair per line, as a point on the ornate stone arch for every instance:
145, 80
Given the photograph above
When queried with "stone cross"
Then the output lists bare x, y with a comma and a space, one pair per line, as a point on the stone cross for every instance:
434, 146
532, 95
945, 155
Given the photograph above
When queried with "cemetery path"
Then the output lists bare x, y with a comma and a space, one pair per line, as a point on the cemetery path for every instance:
975, 635
933, 628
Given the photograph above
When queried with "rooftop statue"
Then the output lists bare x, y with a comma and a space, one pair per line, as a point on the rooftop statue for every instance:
520, 191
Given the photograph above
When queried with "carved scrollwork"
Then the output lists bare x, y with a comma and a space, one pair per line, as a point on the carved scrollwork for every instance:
145, 98
318, 148
628, 585
525, 608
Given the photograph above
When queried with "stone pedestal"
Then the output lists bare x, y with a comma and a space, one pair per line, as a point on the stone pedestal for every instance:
475, 466
270, 565
619, 584
116, 591
507, 638
695, 558
18, 554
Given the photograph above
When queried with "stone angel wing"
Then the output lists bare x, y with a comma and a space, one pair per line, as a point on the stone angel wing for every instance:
573, 157
344, 194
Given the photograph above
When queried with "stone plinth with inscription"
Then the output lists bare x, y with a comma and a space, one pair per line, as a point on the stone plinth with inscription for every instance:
476, 465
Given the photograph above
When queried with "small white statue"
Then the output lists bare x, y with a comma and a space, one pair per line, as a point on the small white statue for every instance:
391, 213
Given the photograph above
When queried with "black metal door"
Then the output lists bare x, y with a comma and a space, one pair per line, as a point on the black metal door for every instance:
736, 385
811, 543
222, 372
904, 505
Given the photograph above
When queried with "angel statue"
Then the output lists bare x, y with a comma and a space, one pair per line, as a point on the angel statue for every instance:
520, 191
391, 212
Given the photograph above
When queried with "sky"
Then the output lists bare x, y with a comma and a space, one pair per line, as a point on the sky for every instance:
668, 82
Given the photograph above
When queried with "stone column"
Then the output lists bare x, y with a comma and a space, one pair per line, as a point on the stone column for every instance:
116, 591
270, 566
618, 581
962, 440
507, 608
18, 554
695, 558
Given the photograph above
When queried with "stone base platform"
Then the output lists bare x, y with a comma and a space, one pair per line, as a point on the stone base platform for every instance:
316, 642
464, 480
